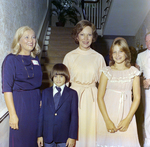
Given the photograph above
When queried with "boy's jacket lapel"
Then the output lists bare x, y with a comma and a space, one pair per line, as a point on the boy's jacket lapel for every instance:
51, 99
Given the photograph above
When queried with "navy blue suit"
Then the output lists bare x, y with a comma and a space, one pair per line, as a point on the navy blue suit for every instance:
60, 124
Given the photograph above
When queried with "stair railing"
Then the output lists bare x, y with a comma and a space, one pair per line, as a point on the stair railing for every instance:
96, 11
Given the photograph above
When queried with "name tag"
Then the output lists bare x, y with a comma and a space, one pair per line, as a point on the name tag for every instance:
35, 62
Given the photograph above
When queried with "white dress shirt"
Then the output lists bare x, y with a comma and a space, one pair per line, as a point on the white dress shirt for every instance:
55, 90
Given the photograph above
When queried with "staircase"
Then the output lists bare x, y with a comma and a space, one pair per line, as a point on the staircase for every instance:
60, 43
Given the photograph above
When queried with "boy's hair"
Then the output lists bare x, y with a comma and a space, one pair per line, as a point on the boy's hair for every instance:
60, 69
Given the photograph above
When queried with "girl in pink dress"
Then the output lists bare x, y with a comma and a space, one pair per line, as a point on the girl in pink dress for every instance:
85, 66
118, 124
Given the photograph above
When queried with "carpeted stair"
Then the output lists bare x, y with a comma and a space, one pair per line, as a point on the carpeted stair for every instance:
56, 46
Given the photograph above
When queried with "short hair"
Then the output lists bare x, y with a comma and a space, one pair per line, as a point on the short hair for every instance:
124, 47
16, 46
60, 69
80, 26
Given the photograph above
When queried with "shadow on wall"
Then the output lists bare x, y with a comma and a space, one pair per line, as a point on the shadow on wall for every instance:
101, 46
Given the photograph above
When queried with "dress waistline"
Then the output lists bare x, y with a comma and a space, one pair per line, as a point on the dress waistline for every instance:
83, 85
21, 90
84, 88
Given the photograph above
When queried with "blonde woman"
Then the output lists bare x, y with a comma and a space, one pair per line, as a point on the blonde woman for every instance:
21, 79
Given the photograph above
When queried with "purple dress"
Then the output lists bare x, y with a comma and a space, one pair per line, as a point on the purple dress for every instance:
22, 75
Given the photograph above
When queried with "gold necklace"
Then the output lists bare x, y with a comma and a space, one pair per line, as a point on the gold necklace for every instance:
27, 70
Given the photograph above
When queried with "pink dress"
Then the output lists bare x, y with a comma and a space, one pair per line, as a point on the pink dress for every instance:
118, 101
85, 69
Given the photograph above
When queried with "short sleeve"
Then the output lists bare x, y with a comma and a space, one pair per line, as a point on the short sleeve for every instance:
8, 73
101, 66
106, 71
134, 72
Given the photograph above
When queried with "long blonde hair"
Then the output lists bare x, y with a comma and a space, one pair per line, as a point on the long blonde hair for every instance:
121, 42
16, 46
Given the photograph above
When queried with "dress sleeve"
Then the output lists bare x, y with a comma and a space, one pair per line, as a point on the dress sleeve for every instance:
8, 74
134, 72
101, 66
106, 70
66, 61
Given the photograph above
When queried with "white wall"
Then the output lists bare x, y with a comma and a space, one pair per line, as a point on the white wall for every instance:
14, 14
140, 35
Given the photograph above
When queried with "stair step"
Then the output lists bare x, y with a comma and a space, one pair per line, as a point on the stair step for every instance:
56, 53
60, 30
61, 37
59, 44
56, 59
46, 75
48, 67
45, 85
63, 40
63, 48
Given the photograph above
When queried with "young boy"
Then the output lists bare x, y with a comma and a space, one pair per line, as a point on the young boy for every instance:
58, 119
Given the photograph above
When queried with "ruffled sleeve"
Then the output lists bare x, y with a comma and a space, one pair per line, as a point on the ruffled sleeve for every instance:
106, 71
134, 72
121, 76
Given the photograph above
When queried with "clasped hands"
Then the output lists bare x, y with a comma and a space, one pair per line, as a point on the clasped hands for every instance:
122, 126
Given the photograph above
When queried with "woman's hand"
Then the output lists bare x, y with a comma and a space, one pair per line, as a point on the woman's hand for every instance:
40, 142
123, 125
13, 122
70, 142
110, 126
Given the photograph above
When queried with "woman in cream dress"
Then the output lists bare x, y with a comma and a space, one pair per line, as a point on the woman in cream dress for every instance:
84, 65
117, 121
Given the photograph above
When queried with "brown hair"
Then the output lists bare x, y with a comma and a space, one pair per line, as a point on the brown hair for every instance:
60, 69
80, 26
124, 47
16, 46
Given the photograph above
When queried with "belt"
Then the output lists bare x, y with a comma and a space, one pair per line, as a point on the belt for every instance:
123, 97
84, 87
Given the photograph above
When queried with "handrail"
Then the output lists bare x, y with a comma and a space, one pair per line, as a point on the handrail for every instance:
83, 10
96, 11
4, 116
91, 1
